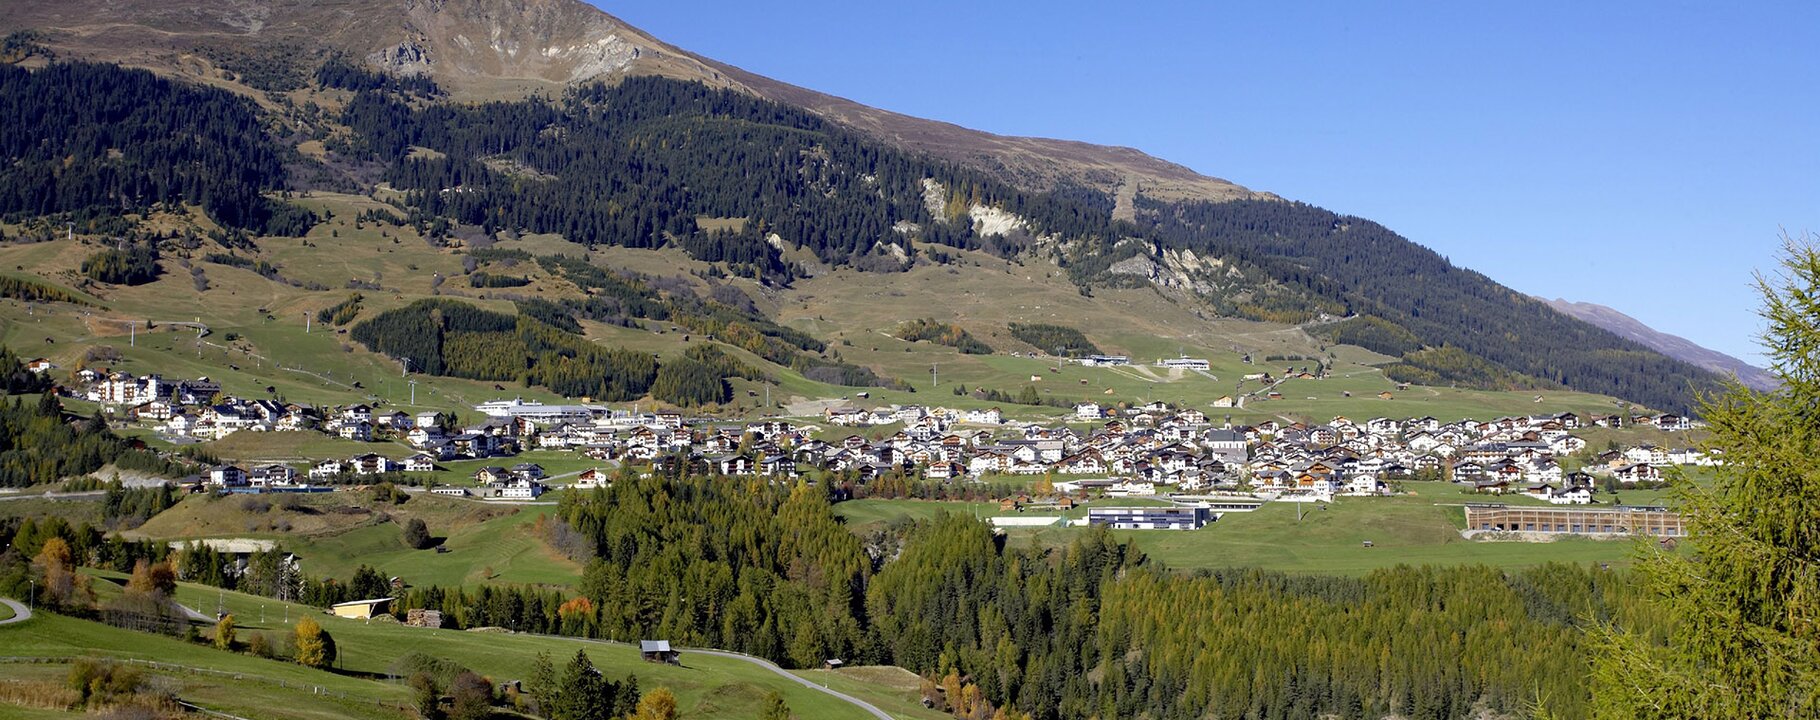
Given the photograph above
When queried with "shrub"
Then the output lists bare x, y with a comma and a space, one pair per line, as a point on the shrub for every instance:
224, 633
417, 535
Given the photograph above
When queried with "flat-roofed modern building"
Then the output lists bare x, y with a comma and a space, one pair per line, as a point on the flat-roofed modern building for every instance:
1185, 363
540, 413
1616, 520
1177, 517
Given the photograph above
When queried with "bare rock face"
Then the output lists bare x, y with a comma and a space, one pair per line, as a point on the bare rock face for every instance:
556, 41
1139, 265
605, 56
408, 58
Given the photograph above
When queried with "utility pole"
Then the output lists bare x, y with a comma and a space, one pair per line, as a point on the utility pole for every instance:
932, 377
413, 384
306, 323
132, 329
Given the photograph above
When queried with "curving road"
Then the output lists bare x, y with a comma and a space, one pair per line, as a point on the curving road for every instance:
768, 665
761, 662
21, 613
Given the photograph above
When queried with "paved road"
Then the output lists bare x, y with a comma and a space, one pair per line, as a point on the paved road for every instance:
768, 665
869, 708
21, 613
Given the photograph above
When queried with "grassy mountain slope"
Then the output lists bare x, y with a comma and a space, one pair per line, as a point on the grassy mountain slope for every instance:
653, 165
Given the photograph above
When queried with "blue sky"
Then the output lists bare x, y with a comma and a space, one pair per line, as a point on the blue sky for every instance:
1645, 156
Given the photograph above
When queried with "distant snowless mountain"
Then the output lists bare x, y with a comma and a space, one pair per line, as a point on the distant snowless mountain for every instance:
1674, 346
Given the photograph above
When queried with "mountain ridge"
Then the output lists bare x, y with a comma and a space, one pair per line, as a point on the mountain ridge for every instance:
1675, 346
479, 52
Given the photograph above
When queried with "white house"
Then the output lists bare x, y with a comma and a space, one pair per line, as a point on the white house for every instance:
1366, 484
989, 416
1646, 454
521, 490
1638, 473
227, 476
590, 479
358, 430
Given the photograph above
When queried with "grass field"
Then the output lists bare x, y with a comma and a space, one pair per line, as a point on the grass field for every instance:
295, 447
75, 510
706, 687
259, 688
873, 512
1332, 541
333, 533
503, 550
1418, 529
854, 313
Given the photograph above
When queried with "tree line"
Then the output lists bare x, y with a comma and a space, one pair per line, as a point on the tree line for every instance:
445, 337
38, 444
1368, 270
942, 333
1061, 340
135, 263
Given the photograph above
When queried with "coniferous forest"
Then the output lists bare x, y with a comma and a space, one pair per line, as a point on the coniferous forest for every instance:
445, 337
1375, 273
86, 138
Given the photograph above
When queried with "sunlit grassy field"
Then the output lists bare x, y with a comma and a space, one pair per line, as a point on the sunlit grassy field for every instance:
853, 313
706, 687
1423, 528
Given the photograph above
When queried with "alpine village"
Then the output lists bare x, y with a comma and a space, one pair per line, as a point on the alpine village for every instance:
497, 359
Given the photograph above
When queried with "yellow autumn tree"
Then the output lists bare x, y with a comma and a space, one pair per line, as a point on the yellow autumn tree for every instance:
659, 704
312, 644
224, 633
59, 584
